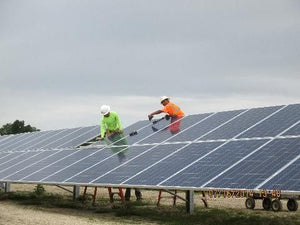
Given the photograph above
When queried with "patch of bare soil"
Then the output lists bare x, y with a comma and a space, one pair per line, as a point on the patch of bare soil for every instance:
11, 213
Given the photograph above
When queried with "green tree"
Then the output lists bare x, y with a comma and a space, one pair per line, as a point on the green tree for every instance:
18, 126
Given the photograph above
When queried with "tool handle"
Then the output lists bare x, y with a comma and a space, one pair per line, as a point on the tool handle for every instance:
156, 121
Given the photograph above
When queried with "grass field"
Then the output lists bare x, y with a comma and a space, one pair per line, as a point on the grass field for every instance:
24, 205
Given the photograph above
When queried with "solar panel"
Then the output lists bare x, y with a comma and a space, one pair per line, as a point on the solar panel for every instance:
63, 138
212, 158
162, 133
24, 143
47, 161
277, 123
239, 149
11, 139
293, 131
256, 168
242, 123
286, 179
138, 126
2, 137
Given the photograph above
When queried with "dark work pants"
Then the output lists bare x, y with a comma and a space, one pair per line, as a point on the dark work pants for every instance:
137, 191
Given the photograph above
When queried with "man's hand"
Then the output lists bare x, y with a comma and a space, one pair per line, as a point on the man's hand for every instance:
118, 131
100, 138
150, 117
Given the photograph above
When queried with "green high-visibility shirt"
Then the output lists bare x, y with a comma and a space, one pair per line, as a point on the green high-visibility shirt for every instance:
112, 122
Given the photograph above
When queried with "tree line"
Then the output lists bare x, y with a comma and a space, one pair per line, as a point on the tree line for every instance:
17, 127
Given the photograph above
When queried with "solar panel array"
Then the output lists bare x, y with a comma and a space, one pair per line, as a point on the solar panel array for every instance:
255, 148
64, 138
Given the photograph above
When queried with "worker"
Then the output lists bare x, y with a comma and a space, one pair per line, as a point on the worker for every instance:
172, 111
111, 127
110, 122
170, 108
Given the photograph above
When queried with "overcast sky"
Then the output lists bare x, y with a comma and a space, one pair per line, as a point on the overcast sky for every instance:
60, 60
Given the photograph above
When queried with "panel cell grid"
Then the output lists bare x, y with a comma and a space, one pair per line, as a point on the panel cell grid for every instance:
237, 149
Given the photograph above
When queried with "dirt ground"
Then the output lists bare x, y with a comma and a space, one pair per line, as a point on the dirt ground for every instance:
12, 213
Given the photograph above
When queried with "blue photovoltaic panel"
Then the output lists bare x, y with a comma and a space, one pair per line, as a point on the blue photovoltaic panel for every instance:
66, 138
3, 155
241, 123
55, 136
38, 174
3, 137
130, 168
118, 157
15, 158
14, 139
148, 130
173, 163
74, 164
293, 131
7, 156
138, 126
26, 143
213, 164
22, 163
144, 130
288, 179
71, 136
206, 126
6, 140
255, 169
204, 152
275, 124
173, 128
92, 158
58, 159
82, 138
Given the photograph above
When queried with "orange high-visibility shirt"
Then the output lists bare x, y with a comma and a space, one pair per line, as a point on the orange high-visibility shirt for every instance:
172, 110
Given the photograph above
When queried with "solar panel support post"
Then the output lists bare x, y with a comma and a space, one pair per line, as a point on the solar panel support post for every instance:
76, 191
7, 187
189, 195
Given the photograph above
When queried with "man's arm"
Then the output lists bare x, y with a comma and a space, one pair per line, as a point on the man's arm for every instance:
150, 116
103, 129
118, 121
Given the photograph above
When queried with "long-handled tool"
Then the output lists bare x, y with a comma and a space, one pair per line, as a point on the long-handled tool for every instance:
167, 117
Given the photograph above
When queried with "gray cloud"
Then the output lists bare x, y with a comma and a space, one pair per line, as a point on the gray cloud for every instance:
200, 51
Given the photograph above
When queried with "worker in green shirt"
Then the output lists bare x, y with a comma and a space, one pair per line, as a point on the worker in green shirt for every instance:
111, 127
110, 122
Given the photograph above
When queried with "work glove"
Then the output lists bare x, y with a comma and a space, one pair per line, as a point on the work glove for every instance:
100, 138
117, 132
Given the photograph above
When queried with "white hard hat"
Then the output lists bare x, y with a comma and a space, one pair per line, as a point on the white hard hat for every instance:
105, 109
162, 98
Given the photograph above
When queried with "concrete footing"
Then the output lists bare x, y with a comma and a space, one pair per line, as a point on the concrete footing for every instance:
76, 192
190, 201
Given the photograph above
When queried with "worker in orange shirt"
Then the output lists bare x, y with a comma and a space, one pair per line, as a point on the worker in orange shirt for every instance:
172, 110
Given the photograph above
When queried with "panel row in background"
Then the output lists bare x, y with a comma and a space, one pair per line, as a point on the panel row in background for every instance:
233, 164
256, 122
53, 139
63, 138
